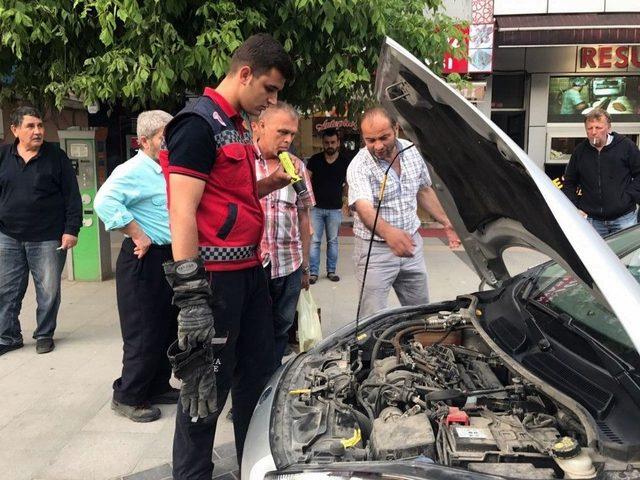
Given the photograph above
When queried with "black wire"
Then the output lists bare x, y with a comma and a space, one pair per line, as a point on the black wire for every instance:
373, 232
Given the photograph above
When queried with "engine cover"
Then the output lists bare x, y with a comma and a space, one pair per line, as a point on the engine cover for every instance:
402, 436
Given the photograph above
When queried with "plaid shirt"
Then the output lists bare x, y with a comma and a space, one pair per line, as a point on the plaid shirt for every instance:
281, 243
399, 205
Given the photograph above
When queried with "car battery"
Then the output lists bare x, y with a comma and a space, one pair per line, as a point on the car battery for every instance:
472, 438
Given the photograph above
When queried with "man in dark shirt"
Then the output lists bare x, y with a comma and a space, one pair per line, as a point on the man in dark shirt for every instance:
328, 171
606, 168
40, 217
225, 331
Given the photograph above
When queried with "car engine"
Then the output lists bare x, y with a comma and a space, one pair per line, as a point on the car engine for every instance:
424, 388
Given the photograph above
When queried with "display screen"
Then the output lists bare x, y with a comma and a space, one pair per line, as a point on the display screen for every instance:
570, 98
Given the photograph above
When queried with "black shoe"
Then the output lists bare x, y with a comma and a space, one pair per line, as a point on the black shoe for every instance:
313, 279
138, 413
7, 348
170, 397
44, 345
333, 277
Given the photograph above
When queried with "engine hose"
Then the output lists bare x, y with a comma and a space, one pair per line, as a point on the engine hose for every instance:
397, 339
362, 420
409, 323
365, 405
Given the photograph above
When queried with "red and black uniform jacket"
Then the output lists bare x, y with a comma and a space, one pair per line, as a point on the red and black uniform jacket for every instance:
229, 218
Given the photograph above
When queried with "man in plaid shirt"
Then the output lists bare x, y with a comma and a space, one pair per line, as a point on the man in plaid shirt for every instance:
287, 233
397, 253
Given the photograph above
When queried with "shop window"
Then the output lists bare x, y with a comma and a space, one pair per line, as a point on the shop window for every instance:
570, 98
508, 91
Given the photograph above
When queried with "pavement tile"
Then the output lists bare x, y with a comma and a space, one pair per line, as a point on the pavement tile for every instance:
21, 465
225, 450
225, 465
151, 464
96, 456
162, 446
155, 473
224, 476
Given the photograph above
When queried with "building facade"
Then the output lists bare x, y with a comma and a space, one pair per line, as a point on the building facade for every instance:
552, 62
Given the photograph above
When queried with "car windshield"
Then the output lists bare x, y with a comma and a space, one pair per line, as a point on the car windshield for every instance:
561, 292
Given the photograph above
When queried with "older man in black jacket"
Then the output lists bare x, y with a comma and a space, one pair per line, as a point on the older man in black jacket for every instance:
606, 169
40, 216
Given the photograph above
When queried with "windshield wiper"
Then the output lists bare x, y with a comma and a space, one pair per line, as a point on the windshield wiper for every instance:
614, 364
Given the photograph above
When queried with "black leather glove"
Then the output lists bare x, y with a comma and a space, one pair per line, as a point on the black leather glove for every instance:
197, 367
192, 295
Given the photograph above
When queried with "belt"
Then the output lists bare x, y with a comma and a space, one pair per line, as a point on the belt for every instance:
226, 254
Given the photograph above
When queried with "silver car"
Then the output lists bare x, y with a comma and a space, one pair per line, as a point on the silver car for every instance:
534, 378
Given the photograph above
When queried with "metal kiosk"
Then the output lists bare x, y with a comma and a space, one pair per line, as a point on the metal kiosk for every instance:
90, 260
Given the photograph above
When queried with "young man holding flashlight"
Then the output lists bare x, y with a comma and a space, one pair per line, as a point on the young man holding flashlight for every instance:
606, 168
225, 331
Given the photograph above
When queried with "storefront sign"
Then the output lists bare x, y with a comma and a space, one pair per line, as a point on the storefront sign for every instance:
324, 123
612, 58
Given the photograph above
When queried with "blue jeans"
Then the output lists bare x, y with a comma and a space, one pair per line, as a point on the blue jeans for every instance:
328, 220
45, 264
284, 292
607, 227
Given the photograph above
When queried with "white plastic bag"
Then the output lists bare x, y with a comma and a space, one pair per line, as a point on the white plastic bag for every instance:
309, 330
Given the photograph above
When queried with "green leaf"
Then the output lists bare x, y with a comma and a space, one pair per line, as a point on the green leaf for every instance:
106, 38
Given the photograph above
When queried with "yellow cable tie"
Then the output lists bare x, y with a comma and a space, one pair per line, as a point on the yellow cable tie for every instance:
353, 441
300, 391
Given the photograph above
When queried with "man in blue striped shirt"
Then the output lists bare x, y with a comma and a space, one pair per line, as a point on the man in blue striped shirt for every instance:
134, 201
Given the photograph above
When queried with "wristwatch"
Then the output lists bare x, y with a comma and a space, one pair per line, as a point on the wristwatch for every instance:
306, 269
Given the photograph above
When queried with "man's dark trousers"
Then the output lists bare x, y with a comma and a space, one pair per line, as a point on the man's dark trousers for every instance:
285, 292
242, 311
148, 322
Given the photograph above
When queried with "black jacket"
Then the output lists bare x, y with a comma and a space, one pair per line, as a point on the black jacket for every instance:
609, 179
39, 200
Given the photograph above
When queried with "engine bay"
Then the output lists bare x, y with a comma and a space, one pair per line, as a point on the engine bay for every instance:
427, 388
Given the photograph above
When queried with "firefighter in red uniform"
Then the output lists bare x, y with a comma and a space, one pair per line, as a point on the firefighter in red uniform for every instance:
225, 332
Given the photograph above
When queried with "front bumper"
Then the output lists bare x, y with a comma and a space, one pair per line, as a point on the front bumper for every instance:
257, 459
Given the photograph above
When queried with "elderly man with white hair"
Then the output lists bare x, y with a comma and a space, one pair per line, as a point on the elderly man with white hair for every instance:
134, 201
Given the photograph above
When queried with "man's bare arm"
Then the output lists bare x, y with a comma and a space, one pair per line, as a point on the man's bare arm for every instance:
305, 238
140, 239
428, 200
185, 194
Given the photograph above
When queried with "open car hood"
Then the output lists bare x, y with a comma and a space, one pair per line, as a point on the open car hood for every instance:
494, 195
